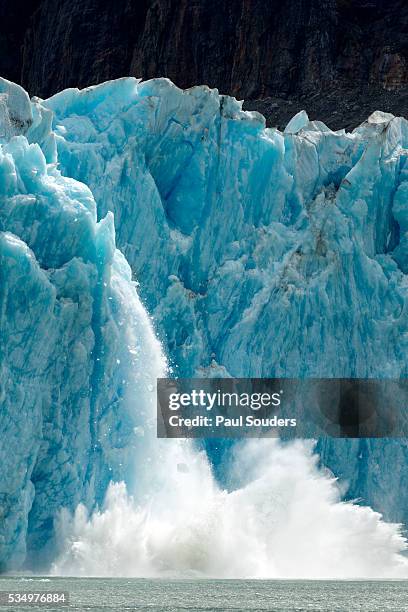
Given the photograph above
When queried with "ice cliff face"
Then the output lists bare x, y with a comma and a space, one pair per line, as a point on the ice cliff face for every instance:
266, 253
258, 253
73, 336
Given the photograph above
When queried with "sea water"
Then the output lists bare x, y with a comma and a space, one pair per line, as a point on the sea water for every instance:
161, 595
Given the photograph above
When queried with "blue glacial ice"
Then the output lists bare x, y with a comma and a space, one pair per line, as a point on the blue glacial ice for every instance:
257, 253
74, 336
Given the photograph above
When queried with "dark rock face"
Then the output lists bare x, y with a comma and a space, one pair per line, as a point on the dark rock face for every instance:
339, 59
14, 19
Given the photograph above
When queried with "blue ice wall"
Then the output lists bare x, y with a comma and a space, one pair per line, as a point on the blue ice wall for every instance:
258, 253
276, 254
73, 334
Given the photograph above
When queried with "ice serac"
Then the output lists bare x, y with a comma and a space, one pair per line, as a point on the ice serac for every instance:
259, 253
73, 334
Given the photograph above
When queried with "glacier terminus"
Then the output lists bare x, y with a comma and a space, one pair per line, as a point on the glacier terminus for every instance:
145, 229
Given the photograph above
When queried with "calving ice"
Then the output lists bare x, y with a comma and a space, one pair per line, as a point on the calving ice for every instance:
132, 178
259, 253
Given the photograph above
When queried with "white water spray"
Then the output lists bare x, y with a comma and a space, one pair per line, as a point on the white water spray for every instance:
285, 518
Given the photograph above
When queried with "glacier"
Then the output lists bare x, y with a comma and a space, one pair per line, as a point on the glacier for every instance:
256, 253
72, 330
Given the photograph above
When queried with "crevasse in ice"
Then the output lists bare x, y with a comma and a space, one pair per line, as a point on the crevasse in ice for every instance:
258, 253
